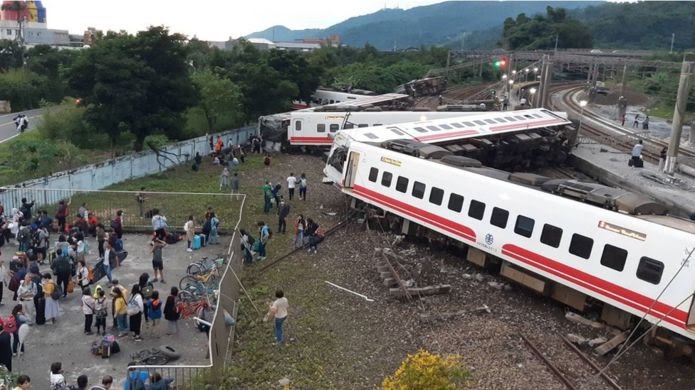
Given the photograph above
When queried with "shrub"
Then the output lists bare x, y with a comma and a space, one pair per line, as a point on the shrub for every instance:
425, 370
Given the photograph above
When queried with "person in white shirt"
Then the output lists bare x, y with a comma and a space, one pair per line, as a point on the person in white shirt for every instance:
88, 308
25, 293
278, 310
291, 184
189, 228
159, 224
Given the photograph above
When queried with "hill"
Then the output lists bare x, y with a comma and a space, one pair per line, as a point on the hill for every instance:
426, 25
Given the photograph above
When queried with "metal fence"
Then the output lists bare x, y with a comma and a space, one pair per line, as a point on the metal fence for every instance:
221, 333
105, 173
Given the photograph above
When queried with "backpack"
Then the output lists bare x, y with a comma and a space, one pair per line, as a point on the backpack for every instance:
133, 307
9, 324
114, 225
147, 291
102, 312
63, 386
57, 292
207, 226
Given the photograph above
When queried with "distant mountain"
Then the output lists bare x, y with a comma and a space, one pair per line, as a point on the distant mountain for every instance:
426, 25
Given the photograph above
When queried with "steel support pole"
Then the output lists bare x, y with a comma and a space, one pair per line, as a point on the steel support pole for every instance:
678, 115
547, 77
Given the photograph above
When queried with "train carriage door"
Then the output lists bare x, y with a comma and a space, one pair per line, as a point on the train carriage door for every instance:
351, 171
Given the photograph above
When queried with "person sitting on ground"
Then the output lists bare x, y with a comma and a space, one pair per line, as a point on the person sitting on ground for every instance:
57, 378
23, 383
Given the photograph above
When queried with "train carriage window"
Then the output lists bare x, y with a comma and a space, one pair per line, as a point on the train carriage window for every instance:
298, 125
331, 101
377, 124
456, 125
538, 116
476, 210
519, 117
436, 196
349, 126
499, 217
524, 226
480, 123
402, 184
581, 246
420, 129
455, 202
500, 120
650, 270
371, 135
396, 131
613, 257
469, 124
490, 121
418, 190
362, 125
334, 127
434, 128
321, 128
373, 174
551, 235
445, 127
386, 179
509, 118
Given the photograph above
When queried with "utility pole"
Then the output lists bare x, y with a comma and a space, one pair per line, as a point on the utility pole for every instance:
546, 77
678, 114
622, 83
673, 39
448, 62
557, 36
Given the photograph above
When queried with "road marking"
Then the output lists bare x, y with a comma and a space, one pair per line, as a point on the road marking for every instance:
16, 134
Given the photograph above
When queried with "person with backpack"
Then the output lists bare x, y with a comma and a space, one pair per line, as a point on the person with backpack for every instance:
157, 260
247, 242
267, 196
100, 312
12, 324
135, 308
146, 289
88, 307
120, 311
171, 313
214, 225
62, 268
25, 208
264, 235
302, 186
52, 293
153, 308
159, 224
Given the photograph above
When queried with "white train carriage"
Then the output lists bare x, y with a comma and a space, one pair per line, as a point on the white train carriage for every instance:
468, 125
634, 263
323, 97
317, 128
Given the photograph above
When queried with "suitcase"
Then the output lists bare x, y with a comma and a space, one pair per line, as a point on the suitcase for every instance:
98, 272
40, 303
639, 163
197, 242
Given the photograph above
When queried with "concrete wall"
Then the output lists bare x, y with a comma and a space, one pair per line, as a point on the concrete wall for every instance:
103, 174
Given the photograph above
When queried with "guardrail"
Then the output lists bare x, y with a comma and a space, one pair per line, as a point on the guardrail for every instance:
221, 334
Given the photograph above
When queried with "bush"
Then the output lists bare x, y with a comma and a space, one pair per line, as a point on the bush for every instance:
425, 370
66, 122
24, 89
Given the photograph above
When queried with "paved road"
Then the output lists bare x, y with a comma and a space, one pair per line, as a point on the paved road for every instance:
8, 130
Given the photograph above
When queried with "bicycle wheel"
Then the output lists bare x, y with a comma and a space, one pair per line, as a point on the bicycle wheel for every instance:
157, 359
187, 281
186, 296
194, 268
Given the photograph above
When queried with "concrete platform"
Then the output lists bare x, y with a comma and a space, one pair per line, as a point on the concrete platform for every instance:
65, 342
610, 167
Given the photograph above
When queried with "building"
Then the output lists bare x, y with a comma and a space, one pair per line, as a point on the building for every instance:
30, 25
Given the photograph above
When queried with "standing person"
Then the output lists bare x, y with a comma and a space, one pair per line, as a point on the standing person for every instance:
117, 224
189, 229
224, 178
101, 238
153, 306
4, 275
25, 208
157, 260
41, 243
6, 348
20, 318
299, 227
159, 224
235, 184
120, 311
211, 142
635, 124
311, 229
61, 214
82, 274
622, 120
283, 212
83, 212
637, 154
247, 245
214, 226
171, 313
140, 198
662, 165
278, 311
302, 186
101, 312
277, 195
267, 196
645, 123
61, 268
264, 236
52, 307
291, 184
26, 292
135, 309
109, 254
88, 307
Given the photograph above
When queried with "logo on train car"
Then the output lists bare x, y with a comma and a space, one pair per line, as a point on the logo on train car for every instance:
489, 239
391, 161
622, 231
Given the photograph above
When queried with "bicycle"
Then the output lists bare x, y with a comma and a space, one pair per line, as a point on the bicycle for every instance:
204, 265
154, 357
209, 278
190, 309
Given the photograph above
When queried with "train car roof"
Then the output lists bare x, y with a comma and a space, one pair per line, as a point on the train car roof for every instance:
456, 128
368, 100
670, 221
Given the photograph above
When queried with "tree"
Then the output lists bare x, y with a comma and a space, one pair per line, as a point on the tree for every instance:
135, 84
24, 89
51, 63
218, 97
11, 55
294, 67
540, 32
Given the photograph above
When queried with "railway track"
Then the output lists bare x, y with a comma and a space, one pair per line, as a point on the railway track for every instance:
570, 365
605, 132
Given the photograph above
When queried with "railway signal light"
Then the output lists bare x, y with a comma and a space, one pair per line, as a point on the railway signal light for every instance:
499, 63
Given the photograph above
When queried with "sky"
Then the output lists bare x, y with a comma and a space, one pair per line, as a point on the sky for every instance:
213, 20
